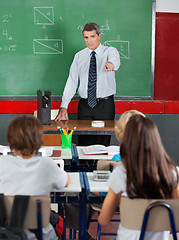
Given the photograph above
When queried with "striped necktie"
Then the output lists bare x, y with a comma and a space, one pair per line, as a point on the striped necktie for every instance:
92, 81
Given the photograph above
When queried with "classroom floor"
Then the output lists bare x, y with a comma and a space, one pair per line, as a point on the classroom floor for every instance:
111, 227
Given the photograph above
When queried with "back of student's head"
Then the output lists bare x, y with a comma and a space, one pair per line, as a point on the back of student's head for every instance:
150, 171
121, 123
25, 134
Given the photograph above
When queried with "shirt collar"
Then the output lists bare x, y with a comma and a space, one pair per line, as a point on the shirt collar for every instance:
97, 50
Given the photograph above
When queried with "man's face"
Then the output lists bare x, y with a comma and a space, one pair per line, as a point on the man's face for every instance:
92, 40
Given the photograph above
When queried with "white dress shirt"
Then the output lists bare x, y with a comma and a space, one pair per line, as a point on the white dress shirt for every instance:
79, 70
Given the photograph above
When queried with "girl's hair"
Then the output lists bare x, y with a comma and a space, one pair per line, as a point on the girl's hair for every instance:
150, 171
25, 134
121, 123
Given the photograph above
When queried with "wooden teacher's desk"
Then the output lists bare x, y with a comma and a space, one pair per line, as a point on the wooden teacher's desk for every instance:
83, 127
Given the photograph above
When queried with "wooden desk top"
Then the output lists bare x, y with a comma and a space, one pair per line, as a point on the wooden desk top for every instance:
82, 127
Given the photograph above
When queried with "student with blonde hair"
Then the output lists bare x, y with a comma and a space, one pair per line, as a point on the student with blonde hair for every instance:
120, 127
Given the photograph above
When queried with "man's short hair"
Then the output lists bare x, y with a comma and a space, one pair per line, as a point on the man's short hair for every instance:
91, 26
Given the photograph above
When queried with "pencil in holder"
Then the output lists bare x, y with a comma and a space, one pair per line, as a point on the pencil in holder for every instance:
66, 140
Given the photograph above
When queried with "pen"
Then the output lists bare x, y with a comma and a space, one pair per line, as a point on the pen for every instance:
60, 130
72, 130
64, 131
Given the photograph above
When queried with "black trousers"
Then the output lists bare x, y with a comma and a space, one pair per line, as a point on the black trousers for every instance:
104, 110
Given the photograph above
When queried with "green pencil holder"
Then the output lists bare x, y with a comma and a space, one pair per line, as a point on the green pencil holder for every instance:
66, 140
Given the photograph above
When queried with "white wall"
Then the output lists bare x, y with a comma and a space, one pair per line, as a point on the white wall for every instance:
167, 6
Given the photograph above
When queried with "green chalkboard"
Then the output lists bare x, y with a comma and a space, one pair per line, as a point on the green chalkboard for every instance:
38, 40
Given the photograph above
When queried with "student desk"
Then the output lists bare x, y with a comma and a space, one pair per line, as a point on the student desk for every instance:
94, 186
83, 184
75, 154
90, 187
68, 154
77, 186
83, 127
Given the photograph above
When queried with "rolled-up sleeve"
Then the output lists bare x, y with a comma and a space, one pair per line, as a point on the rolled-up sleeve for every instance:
114, 57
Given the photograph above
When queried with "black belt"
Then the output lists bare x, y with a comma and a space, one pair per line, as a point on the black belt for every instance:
101, 99
105, 98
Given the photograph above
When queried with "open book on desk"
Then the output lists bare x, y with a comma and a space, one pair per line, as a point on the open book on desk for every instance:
101, 149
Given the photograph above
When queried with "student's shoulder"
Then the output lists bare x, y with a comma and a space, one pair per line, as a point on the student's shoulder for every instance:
117, 157
119, 169
47, 159
44, 160
7, 157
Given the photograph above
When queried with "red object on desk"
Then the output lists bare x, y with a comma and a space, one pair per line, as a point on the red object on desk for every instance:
56, 153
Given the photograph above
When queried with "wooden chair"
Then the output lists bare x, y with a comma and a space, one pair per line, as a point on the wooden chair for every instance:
150, 215
37, 215
106, 165
51, 139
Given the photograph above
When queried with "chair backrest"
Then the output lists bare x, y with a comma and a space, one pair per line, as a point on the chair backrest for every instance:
132, 213
107, 164
31, 214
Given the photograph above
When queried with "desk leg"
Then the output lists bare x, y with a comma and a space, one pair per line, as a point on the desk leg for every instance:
80, 217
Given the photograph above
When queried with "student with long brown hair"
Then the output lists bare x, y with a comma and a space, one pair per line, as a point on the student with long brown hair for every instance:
147, 172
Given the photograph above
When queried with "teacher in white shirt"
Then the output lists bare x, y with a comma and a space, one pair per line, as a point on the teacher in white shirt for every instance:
99, 76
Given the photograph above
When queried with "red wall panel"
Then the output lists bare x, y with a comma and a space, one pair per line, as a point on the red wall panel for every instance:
156, 107
166, 86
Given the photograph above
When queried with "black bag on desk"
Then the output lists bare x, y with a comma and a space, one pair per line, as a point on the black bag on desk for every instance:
44, 107
15, 230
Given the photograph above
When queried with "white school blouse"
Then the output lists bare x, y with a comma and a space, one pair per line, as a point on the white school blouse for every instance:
117, 182
33, 176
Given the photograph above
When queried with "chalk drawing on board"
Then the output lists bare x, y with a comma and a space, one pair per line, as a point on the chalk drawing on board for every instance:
102, 28
105, 27
48, 46
6, 18
43, 15
5, 33
121, 46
